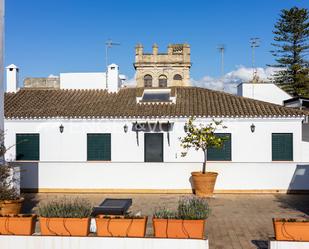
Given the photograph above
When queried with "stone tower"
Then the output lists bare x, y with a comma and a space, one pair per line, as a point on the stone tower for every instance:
163, 69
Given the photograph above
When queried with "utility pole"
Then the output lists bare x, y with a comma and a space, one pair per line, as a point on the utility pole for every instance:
221, 49
254, 43
1, 64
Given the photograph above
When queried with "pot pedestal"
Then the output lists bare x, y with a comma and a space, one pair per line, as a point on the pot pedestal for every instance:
204, 184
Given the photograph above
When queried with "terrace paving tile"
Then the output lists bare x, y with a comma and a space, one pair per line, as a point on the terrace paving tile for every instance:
237, 221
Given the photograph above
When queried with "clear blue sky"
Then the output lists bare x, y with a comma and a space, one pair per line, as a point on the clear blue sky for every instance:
51, 36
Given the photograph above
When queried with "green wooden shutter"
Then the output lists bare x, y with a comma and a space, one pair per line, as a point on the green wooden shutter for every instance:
282, 146
28, 147
99, 147
224, 153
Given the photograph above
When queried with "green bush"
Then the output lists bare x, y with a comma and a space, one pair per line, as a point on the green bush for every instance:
7, 190
66, 208
165, 214
192, 208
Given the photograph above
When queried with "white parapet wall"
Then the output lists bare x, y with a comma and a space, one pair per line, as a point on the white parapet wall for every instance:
161, 177
274, 244
59, 242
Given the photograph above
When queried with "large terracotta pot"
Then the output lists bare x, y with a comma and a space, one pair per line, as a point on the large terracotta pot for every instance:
65, 226
11, 207
173, 228
297, 230
112, 226
17, 225
204, 184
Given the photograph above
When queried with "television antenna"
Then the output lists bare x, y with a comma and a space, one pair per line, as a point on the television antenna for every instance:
109, 44
221, 49
254, 43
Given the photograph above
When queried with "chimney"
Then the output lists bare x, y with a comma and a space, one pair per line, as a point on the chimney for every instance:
113, 80
12, 78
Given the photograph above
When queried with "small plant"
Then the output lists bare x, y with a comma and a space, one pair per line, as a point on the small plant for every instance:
193, 209
66, 208
165, 213
8, 190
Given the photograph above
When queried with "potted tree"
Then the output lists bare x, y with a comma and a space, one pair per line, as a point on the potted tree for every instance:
188, 222
65, 217
202, 138
10, 199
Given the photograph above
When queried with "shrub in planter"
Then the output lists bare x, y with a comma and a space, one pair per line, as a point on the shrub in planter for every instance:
17, 224
65, 217
187, 222
121, 226
10, 199
291, 229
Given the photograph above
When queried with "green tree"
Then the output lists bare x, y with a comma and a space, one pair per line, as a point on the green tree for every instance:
290, 49
202, 137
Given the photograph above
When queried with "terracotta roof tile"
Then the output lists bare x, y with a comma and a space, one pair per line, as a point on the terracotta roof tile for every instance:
190, 101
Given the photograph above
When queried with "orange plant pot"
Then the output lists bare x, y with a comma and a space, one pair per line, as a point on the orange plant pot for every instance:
174, 228
64, 226
121, 226
17, 225
291, 230
204, 184
11, 207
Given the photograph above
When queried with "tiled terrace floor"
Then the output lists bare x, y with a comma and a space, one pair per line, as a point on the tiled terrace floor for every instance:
237, 221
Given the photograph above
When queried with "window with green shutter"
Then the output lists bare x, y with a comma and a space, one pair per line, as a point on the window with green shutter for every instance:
28, 147
224, 153
99, 147
282, 146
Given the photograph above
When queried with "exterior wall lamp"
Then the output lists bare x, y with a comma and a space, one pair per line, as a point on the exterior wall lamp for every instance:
61, 128
125, 128
252, 127
185, 128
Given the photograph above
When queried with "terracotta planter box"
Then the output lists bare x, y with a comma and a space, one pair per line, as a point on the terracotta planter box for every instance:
17, 225
11, 207
119, 226
173, 228
297, 230
65, 226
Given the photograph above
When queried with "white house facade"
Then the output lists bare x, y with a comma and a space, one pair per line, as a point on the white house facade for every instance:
96, 141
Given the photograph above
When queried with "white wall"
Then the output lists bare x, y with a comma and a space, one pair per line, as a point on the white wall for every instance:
63, 157
93, 80
305, 142
268, 92
95, 176
83, 81
61, 242
71, 144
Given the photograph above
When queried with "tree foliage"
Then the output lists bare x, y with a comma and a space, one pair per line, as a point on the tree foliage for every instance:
291, 46
202, 137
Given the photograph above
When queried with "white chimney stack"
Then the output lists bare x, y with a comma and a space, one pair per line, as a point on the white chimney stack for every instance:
113, 80
12, 78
